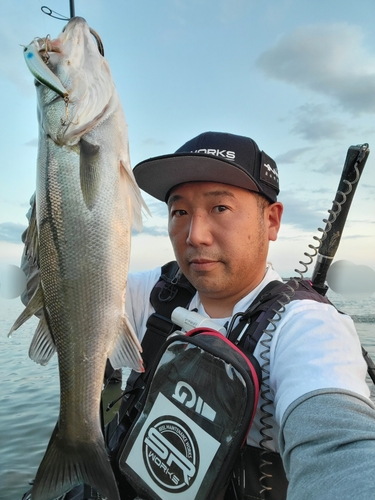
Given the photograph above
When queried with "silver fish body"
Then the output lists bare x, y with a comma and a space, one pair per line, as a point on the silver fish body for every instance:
86, 199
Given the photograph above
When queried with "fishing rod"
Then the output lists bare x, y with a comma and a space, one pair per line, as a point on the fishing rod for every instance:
353, 167
56, 15
72, 8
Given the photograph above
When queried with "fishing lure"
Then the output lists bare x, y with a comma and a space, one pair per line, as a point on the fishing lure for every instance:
40, 70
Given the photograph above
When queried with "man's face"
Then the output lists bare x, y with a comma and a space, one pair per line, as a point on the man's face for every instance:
220, 236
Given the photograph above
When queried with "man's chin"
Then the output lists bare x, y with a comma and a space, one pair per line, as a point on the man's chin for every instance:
204, 283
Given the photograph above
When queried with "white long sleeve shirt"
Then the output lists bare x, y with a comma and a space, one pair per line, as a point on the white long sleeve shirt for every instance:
314, 347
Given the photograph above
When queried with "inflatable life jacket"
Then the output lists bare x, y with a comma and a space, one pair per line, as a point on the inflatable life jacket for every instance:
173, 290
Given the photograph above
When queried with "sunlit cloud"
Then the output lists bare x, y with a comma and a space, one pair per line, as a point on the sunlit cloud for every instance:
328, 59
291, 156
313, 122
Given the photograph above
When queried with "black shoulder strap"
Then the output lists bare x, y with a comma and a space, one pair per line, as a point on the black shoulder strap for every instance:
171, 290
264, 307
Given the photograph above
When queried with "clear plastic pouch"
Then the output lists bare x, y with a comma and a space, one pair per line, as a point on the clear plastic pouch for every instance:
200, 403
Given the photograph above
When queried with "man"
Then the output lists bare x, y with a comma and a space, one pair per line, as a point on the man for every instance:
314, 409
221, 192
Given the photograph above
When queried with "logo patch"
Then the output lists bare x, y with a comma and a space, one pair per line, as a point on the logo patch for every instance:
171, 454
186, 395
268, 172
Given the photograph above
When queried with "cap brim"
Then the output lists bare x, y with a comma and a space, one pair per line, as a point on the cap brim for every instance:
157, 176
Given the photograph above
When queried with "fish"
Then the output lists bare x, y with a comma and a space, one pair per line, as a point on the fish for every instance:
79, 236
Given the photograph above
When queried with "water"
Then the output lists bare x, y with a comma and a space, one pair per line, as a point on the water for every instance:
29, 393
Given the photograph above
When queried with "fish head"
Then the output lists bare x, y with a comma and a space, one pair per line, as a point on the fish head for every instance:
75, 60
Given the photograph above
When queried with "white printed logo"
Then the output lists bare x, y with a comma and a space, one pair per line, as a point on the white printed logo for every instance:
271, 170
223, 153
186, 395
170, 453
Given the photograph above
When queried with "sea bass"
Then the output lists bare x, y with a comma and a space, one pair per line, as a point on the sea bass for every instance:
79, 235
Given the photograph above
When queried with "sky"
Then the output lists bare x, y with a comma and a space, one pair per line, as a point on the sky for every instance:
295, 75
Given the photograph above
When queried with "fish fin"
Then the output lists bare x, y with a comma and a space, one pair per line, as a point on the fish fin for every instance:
89, 172
36, 303
31, 237
66, 465
138, 204
127, 349
42, 347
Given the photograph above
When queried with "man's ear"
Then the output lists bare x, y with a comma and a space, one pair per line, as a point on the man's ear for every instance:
274, 214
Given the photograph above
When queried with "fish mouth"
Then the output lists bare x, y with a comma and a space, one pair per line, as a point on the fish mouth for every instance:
37, 56
46, 45
94, 33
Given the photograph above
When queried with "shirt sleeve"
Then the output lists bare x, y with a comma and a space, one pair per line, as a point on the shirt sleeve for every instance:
314, 347
137, 303
327, 442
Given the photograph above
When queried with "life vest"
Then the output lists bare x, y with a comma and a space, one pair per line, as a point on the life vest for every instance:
174, 290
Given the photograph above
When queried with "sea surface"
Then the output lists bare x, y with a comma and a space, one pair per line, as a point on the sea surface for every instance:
29, 394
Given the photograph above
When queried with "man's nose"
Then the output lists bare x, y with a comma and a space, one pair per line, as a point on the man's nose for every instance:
199, 231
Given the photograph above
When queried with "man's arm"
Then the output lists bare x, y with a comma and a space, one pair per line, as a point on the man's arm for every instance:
327, 441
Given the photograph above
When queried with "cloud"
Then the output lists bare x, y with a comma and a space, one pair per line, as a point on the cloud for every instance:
291, 156
32, 143
299, 213
153, 142
156, 207
313, 123
11, 232
328, 59
328, 166
152, 231
231, 10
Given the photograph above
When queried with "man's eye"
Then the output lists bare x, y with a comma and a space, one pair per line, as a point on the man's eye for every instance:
178, 213
220, 209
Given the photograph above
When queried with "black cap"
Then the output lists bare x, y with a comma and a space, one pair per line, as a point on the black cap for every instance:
211, 157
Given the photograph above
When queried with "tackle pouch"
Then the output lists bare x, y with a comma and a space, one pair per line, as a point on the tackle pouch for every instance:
198, 408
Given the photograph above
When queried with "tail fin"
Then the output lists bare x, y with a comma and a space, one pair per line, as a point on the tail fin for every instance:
63, 467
